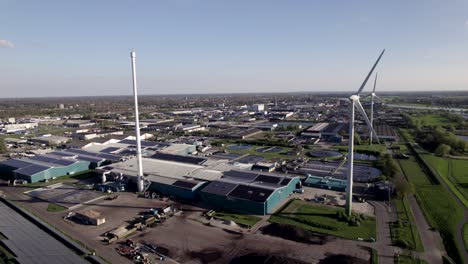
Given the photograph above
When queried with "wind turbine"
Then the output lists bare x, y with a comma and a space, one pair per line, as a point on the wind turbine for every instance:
355, 103
373, 95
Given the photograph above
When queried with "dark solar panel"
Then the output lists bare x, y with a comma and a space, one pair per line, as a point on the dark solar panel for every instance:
268, 179
109, 149
43, 159
251, 193
250, 159
88, 158
16, 163
65, 162
31, 170
285, 181
219, 188
108, 156
144, 143
241, 175
63, 153
179, 158
185, 184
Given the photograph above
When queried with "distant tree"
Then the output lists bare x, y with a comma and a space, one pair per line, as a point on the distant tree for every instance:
388, 165
402, 186
3, 148
357, 138
442, 150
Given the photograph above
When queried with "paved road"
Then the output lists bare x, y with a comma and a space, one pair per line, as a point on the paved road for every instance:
432, 242
384, 245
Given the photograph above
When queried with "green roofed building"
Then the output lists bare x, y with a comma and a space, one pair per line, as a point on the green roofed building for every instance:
326, 182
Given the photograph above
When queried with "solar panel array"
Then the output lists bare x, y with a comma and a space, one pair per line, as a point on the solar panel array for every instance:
179, 158
30, 244
185, 184
252, 193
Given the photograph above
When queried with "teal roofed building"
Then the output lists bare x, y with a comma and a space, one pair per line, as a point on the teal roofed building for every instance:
249, 192
326, 182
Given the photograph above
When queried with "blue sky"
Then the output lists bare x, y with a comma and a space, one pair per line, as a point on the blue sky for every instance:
59, 48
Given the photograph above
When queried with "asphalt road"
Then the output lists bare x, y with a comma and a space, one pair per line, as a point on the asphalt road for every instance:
432, 242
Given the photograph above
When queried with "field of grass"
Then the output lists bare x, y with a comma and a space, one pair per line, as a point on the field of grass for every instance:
406, 259
243, 219
441, 210
374, 148
432, 120
267, 156
404, 232
55, 208
453, 172
413, 172
322, 219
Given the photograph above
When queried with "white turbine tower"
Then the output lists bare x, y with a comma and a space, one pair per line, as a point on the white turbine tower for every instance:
140, 180
373, 95
355, 103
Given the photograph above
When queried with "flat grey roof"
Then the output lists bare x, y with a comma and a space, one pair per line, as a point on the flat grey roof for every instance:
31, 244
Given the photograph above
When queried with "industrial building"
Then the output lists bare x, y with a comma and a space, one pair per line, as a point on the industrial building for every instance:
54, 165
50, 140
181, 178
315, 130
326, 182
249, 192
217, 182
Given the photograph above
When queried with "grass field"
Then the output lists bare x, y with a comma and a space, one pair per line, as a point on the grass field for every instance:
374, 148
267, 156
432, 120
404, 232
322, 219
243, 219
454, 172
441, 210
413, 172
55, 208
406, 259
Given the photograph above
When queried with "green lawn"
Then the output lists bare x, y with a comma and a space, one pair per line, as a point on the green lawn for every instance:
243, 219
55, 208
374, 148
432, 120
322, 219
413, 172
404, 231
267, 156
453, 172
405, 259
441, 210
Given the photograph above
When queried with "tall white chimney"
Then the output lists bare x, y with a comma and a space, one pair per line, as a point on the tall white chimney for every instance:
137, 126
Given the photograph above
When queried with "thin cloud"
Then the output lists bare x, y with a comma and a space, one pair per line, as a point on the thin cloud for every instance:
6, 44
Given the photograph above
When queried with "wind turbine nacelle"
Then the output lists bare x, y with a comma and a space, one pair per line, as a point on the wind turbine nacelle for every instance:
373, 94
354, 97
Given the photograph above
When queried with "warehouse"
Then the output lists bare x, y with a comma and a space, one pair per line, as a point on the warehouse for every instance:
180, 177
50, 140
326, 182
54, 165
315, 130
249, 192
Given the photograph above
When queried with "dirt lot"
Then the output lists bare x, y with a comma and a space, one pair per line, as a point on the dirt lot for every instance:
186, 240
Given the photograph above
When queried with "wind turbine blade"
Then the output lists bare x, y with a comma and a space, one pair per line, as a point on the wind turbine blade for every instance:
370, 73
380, 99
363, 112
375, 81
